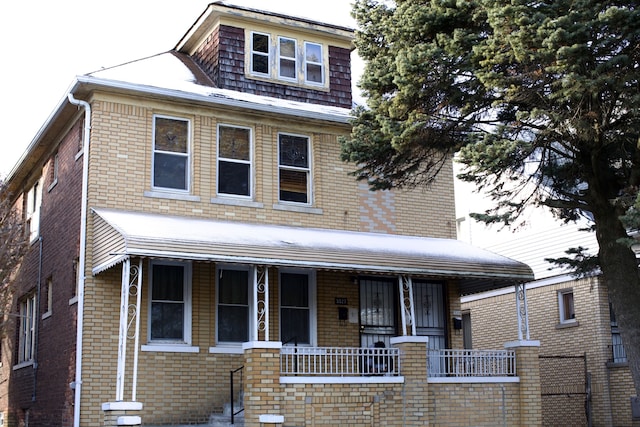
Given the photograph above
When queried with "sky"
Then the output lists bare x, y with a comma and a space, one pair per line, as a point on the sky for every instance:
46, 43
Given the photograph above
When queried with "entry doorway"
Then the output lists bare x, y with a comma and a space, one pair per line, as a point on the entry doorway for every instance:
430, 308
378, 311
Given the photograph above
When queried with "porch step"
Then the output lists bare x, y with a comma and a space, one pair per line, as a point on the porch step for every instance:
215, 420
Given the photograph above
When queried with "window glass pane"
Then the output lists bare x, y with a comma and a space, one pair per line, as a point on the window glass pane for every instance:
294, 151
287, 48
233, 287
567, 303
261, 64
295, 290
171, 135
314, 73
293, 186
233, 143
287, 68
170, 171
168, 282
313, 52
295, 325
260, 43
233, 323
233, 178
167, 321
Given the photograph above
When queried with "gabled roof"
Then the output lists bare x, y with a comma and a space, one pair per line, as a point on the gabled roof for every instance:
120, 234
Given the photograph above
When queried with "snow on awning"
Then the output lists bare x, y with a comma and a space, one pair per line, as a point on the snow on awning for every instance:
120, 234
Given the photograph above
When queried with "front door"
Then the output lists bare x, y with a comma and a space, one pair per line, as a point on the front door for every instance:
428, 300
378, 311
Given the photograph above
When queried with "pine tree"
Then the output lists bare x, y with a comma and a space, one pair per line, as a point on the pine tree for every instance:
541, 101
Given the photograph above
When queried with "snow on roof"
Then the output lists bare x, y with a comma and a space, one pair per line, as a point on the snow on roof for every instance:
167, 72
147, 234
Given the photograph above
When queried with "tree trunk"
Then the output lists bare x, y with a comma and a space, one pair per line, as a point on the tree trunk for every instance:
620, 275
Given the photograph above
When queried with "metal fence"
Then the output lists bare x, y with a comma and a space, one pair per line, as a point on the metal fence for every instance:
471, 363
339, 361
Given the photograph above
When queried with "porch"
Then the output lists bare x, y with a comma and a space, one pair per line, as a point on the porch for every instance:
396, 296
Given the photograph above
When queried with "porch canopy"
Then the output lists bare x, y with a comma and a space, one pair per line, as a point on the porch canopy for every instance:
121, 234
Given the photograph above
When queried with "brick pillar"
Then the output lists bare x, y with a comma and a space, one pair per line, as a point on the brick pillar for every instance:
413, 367
528, 370
122, 414
262, 390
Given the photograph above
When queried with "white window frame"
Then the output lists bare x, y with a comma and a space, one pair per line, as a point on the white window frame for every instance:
250, 305
249, 162
186, 155
294, 59
27, 337
320, 63
267, 55
563, 309
308, 170
313, 310
187, 297
34, 204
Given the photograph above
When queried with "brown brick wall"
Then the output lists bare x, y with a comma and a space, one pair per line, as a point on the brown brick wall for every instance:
45, 392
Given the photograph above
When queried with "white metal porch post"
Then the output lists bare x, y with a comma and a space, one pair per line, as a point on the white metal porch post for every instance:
522, 312
260, 302
129, 314
405, 285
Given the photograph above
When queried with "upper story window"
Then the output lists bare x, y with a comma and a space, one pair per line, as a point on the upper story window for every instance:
171, 153
287, 50
294, 168
234, 161
287, 59
26, 340
260, 46
314, 65
170, 313
233, 305
565, 305
34, 201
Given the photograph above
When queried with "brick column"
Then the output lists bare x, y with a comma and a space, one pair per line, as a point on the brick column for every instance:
122, 414
528, 370
262, 390
413, 367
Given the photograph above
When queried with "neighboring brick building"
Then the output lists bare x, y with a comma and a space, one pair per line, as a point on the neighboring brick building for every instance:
572, 319
190, 216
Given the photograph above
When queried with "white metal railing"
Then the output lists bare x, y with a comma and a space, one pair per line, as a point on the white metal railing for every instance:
339, 361
472, 363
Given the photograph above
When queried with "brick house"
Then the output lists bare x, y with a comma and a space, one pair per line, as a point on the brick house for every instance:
198, 248
582, 357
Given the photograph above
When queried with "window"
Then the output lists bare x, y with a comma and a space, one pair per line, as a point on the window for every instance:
619, 354
313, 65
233, 305
26, 340
297, 313
287, 58
234, 160
170, 153
48, 308
294, 169
55, 160
170, 313
260, 44
565, 304
34, 200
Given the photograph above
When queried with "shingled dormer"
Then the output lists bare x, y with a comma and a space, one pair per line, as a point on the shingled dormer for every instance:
273, 55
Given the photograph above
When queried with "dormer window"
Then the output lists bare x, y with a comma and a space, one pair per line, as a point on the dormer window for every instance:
260, 53
286, 59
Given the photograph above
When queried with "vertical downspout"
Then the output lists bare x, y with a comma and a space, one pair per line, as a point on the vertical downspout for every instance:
82, 257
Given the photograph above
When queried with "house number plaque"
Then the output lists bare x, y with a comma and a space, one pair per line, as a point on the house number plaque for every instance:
341, 301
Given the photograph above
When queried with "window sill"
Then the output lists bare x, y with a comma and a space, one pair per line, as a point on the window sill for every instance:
569, 324
226, 350
73, 300
294, 208
617, 364
171, 196
168, 348
23, 365
46, 315
79, 154
236, 202
53, 184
